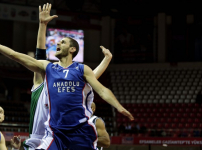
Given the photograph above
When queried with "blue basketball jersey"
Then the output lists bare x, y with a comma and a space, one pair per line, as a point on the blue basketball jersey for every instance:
68, 96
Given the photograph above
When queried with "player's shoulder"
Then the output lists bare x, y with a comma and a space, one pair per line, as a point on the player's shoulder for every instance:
100, 123
2, 139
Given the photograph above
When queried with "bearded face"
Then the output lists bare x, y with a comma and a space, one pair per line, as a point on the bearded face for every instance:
63, 47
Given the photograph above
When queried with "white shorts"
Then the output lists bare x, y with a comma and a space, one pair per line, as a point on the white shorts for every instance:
33, 142
46, 141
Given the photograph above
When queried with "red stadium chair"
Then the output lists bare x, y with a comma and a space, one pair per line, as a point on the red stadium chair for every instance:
172, 115
190, 120
181, 110
187, 110
174, 110
169, 120
176, 120
162, 120
185, 115
165, 115
182, 120
192, 115
180, 125
194, 125
187, 125
173, 125
196, 120
159, 126
194, 110
179, 115
166, 125
149, 119
156, 120
198, 115
158, 115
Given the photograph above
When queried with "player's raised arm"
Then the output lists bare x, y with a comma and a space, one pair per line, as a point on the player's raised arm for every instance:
103, 136
27, 61
104, 92
98, 71
44, 19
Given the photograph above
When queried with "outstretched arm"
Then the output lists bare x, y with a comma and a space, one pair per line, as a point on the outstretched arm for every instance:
98, 71
44, 18
27, 61
104, 92
103, 136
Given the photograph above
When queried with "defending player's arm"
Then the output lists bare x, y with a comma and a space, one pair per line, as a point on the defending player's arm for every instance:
104, 92
15, 142
98, 71
103, 136
2, 142
44, 18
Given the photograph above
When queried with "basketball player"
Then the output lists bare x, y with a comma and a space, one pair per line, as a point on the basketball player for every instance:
103, 136
39, 105
15, 141
68, 126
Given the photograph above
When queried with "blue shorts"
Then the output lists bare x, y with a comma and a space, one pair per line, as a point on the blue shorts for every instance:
84, 137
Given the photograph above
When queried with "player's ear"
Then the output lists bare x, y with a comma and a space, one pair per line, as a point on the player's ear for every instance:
72, 49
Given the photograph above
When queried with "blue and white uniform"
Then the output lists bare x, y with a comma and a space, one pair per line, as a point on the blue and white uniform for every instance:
70, 109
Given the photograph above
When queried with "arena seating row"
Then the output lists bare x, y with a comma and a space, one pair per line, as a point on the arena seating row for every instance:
167, 99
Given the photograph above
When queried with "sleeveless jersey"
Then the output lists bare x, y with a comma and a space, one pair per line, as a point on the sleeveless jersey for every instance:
70, 97
0, 136
93, 119
38, 111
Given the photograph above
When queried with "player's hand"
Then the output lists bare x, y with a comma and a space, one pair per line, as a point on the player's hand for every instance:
16, 142
106, 52
44, 14
126, 113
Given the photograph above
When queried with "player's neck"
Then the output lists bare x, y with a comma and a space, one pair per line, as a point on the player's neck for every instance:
65, 62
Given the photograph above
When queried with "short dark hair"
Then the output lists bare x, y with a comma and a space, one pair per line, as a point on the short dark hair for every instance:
74, 43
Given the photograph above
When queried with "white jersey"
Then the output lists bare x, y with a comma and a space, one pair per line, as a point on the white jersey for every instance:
93, 119
39, 110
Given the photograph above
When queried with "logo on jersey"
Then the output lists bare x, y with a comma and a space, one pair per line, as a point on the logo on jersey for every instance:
77, 68
67, 86
46, 106
54, 67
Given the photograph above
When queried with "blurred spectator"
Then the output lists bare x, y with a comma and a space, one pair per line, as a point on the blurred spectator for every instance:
153, 131
159, 132
163, 133
196, 133
128, 128
143, 129
183, 134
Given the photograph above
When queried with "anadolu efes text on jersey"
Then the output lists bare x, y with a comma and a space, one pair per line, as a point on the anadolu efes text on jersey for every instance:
67, 96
